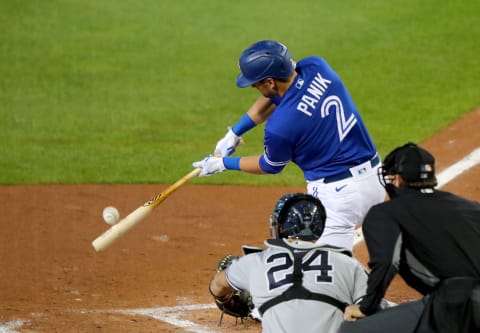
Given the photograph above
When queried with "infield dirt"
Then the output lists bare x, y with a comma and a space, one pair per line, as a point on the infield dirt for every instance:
52, 280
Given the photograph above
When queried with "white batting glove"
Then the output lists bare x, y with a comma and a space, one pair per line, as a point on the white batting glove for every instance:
227, 145
210, 165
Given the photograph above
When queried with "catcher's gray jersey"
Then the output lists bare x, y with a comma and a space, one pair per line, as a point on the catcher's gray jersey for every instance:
327, 271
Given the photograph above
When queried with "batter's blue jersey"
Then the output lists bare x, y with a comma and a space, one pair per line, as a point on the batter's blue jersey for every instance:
316, 125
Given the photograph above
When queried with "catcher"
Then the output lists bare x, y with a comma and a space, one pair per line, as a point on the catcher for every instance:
295, 284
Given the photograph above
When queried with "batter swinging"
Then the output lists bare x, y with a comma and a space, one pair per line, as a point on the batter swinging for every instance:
312, 122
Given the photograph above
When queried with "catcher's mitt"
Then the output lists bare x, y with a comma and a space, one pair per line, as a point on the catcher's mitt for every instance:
238, 303
226, 261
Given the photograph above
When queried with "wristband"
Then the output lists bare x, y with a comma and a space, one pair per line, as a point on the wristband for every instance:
243, 125
232, 163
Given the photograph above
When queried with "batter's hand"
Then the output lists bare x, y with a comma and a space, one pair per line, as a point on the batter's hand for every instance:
352, 313
210, 165
227, 145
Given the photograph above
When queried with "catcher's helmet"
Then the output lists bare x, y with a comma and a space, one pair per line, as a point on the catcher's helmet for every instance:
298, 215
266, 58
413, 163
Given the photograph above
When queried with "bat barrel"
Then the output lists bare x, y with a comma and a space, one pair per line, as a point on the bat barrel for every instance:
112, 234
116, 231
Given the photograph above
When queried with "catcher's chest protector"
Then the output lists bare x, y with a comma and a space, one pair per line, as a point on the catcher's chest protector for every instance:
297, 290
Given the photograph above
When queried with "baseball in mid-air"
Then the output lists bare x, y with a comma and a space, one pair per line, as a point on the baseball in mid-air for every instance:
111, 215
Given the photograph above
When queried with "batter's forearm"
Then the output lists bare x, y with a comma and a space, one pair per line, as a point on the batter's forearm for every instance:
261, 110
251, 164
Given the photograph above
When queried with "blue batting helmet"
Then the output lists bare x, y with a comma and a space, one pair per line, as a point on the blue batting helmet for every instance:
298, 215
263, 59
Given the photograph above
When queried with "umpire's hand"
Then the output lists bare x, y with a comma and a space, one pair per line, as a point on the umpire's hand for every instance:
352, 313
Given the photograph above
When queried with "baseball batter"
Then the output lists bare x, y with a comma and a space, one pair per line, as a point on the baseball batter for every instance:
312, 122
297, 285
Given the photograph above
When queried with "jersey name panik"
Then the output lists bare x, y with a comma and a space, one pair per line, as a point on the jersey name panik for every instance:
316, 125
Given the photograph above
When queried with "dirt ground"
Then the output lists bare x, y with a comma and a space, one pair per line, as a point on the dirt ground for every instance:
52, 280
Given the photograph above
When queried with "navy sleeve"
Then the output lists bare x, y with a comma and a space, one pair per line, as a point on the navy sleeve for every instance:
383, 240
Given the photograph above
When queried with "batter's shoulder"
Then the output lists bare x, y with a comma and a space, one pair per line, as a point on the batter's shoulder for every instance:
311, 60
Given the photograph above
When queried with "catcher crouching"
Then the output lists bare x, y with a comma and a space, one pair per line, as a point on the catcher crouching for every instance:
295, 284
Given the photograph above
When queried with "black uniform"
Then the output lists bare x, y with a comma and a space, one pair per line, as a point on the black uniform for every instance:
427, 236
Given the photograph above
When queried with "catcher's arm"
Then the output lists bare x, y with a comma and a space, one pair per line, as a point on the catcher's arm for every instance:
219, 287
236, 303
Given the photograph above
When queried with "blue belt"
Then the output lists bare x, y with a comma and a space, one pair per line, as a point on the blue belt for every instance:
347, 173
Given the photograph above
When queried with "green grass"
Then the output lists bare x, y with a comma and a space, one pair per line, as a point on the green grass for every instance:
135, 91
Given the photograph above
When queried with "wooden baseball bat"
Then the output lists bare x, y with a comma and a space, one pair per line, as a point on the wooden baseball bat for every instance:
132, 219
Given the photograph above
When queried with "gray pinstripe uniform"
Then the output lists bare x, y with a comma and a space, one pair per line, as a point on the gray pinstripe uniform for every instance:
325, 270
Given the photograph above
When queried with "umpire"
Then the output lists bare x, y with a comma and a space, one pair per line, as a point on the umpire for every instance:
432, 239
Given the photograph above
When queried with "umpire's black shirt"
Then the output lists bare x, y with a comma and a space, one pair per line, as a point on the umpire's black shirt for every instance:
424, 235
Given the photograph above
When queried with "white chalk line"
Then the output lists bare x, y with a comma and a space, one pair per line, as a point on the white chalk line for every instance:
458, 168
168, 314
11, 326
443, 178
172, 315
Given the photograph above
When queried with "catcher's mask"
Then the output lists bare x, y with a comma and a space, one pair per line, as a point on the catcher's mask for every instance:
414, 164
297, 215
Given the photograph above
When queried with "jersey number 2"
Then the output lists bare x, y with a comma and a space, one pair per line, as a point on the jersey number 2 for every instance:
344, 125
281, 272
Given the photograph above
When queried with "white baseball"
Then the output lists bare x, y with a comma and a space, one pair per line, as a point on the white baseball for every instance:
111, 215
